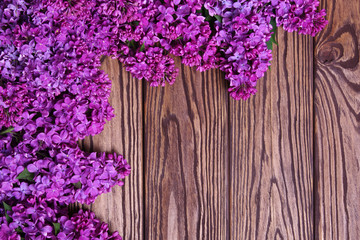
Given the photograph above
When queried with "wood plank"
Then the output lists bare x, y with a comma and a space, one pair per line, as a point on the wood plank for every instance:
186, 153
271, 139
122, 208
337, 123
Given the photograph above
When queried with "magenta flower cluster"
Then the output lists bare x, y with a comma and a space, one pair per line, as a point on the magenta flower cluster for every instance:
229, 35
52, 92
36, 218
246, 29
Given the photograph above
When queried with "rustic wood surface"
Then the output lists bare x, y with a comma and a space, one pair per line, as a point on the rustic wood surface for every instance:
186, 152
271, 149
283, 165
337, 123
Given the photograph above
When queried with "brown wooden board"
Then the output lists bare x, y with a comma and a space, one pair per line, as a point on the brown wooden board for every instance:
186, 153
271, 149
337, 123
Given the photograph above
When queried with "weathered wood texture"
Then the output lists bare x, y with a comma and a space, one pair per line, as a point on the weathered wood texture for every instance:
337, 123
283, 165
123, 207
186, 152
272, 149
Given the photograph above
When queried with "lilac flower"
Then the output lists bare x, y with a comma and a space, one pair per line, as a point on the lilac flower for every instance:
59, 172
300, 15
36, 218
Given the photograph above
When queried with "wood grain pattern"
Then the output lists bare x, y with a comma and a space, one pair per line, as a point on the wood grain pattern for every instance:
337, 123
186, 152
122, 208
272, 148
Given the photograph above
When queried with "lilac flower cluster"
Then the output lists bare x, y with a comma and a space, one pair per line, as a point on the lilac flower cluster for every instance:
36, 218
230, 35
170, 27
52, 93
65, 173
243, 32
299, 15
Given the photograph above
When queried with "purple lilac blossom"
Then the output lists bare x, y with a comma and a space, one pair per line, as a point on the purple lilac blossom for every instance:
231, 37
300, 16
52, 93
244, 30
36, 218
63, 173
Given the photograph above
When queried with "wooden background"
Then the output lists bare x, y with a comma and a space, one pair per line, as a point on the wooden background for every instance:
283, 165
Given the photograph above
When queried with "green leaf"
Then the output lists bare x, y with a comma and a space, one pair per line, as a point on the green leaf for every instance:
26, 175
57, 228
204, 12
142, 47
8, 219
272, 40
269, 45
131, 44
219, 18
18, 230
78, 185
7, 208
10, 129
273, 24
208, 18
